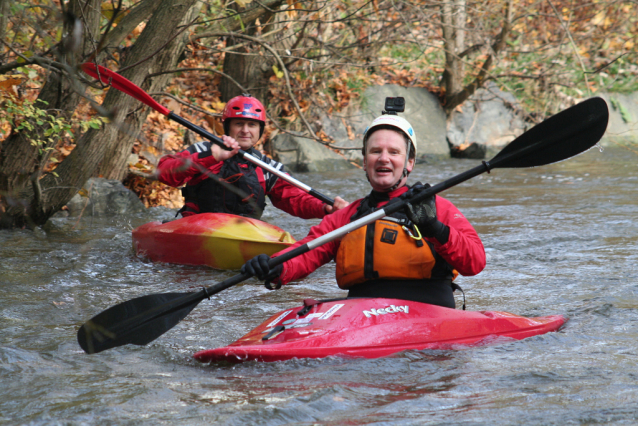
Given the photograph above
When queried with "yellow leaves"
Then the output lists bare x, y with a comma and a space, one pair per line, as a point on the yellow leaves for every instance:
108, 9
217, 106
601, 20
292, 5
278, 74
27, 54
215, 123
153, 150
242, 3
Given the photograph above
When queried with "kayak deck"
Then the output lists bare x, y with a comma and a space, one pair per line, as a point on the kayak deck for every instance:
218, 240
373, 328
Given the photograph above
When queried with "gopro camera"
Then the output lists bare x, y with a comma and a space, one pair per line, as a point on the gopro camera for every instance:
394, 105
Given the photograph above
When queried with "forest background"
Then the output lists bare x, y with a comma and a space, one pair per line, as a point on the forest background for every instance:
58, 127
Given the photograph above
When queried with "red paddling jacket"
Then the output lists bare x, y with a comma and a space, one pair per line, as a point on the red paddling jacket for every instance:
203, 195
384, 260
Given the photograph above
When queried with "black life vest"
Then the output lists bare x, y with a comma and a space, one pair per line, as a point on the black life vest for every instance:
211, 196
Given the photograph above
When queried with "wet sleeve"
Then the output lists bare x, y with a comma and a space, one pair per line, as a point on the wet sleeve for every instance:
177, 169
295, 201
464, 249
303, 265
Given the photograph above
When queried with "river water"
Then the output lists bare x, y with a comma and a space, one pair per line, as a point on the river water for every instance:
560, 239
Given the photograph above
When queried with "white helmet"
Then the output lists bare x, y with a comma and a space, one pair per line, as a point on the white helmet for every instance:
394, 121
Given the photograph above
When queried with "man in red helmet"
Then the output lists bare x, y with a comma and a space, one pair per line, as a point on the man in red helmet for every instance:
244, 119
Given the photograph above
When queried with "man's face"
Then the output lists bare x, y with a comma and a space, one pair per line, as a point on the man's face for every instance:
245, 132
385, 158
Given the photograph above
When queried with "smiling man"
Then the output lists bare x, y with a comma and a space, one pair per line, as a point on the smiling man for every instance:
413, 254
244, 119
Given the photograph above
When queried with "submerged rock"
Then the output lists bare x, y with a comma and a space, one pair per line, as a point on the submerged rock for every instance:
103, 197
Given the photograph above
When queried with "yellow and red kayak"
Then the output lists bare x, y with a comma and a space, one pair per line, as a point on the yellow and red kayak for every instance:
218, 240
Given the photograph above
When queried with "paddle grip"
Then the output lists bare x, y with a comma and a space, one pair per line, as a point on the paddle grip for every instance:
322, 197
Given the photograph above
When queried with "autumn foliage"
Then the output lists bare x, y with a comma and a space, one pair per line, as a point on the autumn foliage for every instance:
555, 53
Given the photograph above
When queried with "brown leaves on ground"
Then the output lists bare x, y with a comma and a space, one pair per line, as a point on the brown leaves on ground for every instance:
153, 193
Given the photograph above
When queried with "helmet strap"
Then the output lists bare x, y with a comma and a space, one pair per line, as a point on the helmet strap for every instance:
405, 167
403, 175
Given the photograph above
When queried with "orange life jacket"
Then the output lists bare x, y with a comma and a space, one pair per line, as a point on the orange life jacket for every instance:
384, 249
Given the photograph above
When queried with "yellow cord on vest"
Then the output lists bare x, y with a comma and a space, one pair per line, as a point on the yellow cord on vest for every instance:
419, 237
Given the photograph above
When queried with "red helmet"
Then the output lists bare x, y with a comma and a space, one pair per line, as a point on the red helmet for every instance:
245, 107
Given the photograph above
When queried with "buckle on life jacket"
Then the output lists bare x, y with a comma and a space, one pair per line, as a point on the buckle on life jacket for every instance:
415, 235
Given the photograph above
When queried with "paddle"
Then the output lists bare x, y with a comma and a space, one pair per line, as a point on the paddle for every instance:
122, 84
141, 320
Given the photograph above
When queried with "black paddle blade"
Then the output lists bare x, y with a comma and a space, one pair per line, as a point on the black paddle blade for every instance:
558, 138
138, 321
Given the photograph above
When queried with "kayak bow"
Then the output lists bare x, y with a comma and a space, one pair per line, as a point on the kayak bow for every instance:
373, 328
218, 240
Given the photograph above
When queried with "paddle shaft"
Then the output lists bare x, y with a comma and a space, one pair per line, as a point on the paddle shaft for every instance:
256, 161
126, 86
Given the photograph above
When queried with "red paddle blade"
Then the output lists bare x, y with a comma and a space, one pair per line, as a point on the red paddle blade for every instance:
122, 84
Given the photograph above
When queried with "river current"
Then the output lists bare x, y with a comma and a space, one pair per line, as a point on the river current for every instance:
560, 239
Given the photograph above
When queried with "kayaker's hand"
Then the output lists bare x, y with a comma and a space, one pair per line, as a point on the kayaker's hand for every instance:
338, 205
220, 153
424, 216
258, 267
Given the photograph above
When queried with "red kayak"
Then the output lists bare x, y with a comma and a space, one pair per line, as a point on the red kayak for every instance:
218, 240
373, 328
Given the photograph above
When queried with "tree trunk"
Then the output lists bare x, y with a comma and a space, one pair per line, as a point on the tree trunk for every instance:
28, 201
248, 69
460, 95
453, 16
141, 12
165, 21
21, 163
247, 66
4, 18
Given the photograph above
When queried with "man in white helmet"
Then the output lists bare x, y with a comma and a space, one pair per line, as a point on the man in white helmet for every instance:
413, 255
